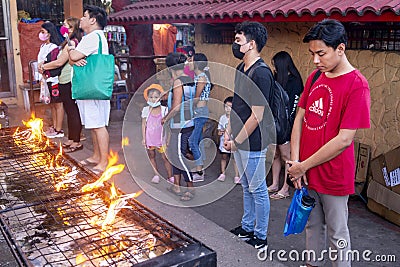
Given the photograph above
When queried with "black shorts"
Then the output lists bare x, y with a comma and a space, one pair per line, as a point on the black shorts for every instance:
65, 91
55, 96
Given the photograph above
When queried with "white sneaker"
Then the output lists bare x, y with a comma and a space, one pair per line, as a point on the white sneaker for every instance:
59, 134
50, 131
236, 180
221, 178
198, 178
55, 134
171, 179
156, 179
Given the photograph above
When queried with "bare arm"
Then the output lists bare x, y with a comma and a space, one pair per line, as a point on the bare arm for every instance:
251, 123
327, 152
249, 126
200, 86
59, 62
144, 131
296, 133
75, 57
176, 101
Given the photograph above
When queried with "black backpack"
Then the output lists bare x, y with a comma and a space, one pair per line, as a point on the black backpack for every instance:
279, 105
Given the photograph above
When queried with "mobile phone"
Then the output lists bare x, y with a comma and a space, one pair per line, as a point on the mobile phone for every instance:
68, 40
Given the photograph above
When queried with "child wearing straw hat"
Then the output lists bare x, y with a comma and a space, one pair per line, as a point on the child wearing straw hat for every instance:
152, 129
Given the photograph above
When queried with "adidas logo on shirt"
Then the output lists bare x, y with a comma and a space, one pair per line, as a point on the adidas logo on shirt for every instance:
317, 107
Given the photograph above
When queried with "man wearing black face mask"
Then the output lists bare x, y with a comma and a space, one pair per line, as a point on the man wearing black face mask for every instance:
247, 134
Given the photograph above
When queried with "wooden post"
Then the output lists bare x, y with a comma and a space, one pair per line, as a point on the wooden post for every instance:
73, 8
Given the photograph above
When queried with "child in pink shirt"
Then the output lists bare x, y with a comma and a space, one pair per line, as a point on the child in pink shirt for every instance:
152, 129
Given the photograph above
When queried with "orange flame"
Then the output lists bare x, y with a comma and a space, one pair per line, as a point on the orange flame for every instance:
117, 203
111, 213
16, 132
112, 159
36, 126
125, 141
104, 177
114, 193
107, 174
80, 259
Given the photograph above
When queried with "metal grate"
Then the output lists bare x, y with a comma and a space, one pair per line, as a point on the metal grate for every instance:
12, 147
46, 227
56, 233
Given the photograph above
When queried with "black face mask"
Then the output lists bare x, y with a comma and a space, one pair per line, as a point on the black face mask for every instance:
236, 51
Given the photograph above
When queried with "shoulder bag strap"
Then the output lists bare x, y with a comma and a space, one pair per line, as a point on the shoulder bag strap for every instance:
100, 50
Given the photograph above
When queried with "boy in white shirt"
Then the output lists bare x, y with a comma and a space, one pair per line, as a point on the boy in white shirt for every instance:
225, 154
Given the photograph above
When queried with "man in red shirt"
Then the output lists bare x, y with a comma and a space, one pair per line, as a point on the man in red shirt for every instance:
322, 148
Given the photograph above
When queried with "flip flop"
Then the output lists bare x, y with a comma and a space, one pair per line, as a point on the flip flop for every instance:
171, 189
71, 149
278, 195
97, 171
86, 162
64, 145
272, 190
187, 196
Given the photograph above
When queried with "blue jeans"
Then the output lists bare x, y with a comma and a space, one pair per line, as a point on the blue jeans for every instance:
256, 206
201, 117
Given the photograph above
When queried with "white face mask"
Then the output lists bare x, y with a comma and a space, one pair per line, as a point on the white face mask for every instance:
153, 104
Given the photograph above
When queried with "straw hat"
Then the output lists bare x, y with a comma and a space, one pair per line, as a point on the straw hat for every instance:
152, 86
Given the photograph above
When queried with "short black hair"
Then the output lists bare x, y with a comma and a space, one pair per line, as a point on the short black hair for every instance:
175, 61
189, 51
200, 61
253, 31
330, 31
98, 13
228, 99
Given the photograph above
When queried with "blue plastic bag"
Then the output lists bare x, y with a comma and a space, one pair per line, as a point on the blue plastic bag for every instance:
298, 212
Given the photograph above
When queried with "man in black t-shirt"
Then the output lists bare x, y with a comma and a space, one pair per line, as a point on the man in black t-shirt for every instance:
249, 124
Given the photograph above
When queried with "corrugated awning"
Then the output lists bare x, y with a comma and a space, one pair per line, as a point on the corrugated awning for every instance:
224, 11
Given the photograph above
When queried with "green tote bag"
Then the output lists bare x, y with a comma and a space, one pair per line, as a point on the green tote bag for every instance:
95, 80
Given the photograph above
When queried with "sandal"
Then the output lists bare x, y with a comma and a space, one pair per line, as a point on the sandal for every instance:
64, 145
71, 149
278, 195
187, 196
86, 162
172, 190
97, 171
272, 190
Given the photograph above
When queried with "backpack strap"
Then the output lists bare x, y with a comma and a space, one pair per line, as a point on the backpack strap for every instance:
183, 100
257, 65
315, 78
182, 108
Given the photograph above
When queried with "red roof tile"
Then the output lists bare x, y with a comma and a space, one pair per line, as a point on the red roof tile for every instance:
160, 11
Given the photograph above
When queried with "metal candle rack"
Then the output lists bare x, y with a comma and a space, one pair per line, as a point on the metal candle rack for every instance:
46, 227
